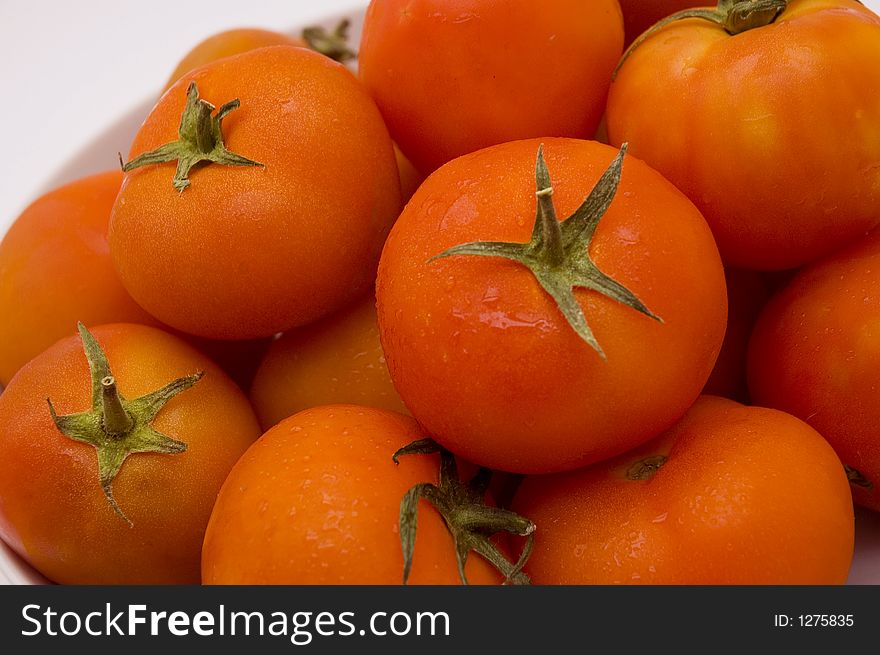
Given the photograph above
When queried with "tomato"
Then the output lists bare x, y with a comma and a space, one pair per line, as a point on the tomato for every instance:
228, 43
485, 358
451, 77
336, 360
55, 270
242, 251
73, 514
639, 15
317, 500
814, 354
747, 293
723, 117
730, 495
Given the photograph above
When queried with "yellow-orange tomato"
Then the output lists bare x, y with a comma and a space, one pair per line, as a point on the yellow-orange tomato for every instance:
53, 511
774, 132
228, 43
454, 76
247, 251
55, 270
815, 352
731, 495
336, 360
316, 500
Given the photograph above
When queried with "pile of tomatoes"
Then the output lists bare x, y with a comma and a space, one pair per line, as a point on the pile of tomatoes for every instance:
511, 304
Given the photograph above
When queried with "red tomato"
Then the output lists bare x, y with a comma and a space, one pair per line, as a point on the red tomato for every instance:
147, 524
731, 495
639, 15
317, 500
55, 270
772, 132
814, 353
248, 251
481, 353
454, 76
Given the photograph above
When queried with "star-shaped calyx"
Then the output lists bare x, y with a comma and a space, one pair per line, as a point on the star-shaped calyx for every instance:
558, 254
200, 139
469, 520
117, 427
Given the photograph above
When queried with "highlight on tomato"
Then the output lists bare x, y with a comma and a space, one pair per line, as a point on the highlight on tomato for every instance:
765, 116
219, 232
454, 77
537, 319
113, 480
355, 495
730, 495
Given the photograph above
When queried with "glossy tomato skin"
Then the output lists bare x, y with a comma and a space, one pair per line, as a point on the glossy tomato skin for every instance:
336, 360
55, 270
747, 496
640, 15
316, 500
452, 77
52, 509
229, 43
246, 252
724, 119
481, 354
814, 354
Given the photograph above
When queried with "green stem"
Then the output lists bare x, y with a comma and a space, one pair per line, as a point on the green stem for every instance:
115, 419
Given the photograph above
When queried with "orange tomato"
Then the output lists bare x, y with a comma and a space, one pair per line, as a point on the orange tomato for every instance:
723, 118
482, 355
452, 77
316, 500
55, 270
228, 43
814, 353
248, 251
731, 495
53, 511
336, 360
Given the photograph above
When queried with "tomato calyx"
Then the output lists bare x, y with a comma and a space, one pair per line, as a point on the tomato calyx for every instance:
857, 478
200, 139
645, 468
558, 254
117, 427
469, 520
735, 16
330, 44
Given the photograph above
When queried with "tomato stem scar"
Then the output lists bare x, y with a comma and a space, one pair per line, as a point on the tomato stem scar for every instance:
469, 520
114, 426
558, 254
200, 139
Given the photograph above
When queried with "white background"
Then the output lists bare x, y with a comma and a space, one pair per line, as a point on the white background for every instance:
76, 76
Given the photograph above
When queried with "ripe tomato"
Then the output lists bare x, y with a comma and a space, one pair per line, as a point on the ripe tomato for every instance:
454, 77
248, 251
747, 293
226, 44
57, 504
336, 360
639, 15
814, 354
723, 117
730, 495
481, 353
55, 270
323, 487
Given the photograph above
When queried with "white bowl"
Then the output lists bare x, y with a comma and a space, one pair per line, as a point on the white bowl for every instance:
86, 136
